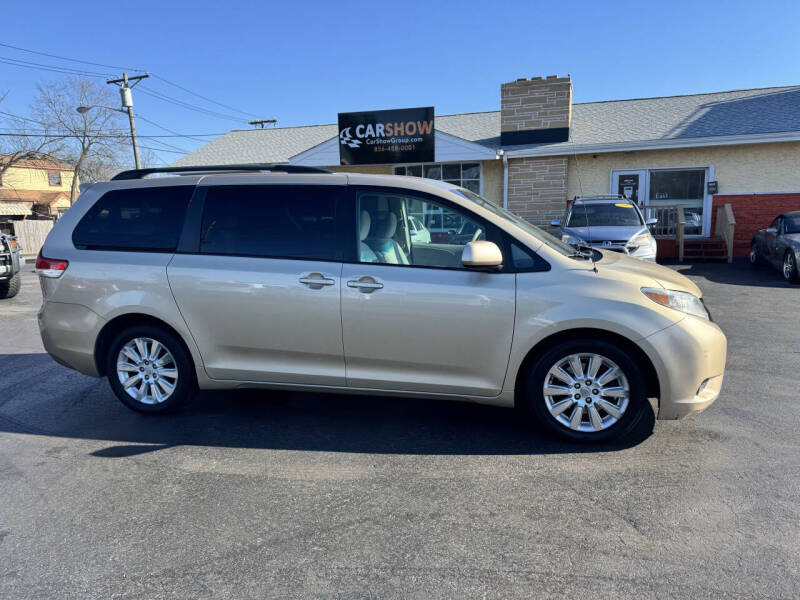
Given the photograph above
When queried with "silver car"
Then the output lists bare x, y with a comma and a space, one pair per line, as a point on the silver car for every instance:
779, 245
303, 279
608, 222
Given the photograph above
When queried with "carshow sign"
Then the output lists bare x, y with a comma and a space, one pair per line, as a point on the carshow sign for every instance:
386, 136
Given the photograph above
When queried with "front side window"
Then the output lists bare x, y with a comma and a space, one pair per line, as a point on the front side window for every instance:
792, 224
271, 221
145, 219
405, 230
686, 187
466, 175
617, 214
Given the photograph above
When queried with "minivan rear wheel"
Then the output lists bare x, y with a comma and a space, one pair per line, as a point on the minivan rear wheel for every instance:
149, 370
586, 390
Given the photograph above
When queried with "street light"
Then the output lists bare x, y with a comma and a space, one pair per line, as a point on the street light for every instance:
129, 110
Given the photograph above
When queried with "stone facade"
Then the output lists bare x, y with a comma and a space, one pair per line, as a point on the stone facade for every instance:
537, 188
536, 103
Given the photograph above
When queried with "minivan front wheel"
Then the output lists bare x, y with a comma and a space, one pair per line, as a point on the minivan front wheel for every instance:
149, 370
587, 390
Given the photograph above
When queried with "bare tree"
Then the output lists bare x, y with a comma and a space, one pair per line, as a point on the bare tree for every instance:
92, 135
32, 140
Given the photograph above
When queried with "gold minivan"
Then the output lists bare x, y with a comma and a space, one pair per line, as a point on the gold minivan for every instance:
288, 277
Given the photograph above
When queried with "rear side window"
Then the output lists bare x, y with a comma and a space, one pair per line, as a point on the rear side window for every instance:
141, 219
271, 221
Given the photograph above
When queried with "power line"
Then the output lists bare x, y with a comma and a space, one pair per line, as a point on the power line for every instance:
52, 69
188, 106
162, 150
102, 135
201, 96
57, 69
85, 62
187, 136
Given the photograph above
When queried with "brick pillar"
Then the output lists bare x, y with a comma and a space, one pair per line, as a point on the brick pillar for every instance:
537, 188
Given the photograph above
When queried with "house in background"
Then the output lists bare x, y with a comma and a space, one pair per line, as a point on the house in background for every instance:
35, 188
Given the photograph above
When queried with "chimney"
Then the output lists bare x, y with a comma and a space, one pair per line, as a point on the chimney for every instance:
536, 110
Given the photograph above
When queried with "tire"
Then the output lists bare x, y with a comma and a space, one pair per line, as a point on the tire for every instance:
10, 287
629, 410
789, 267
173, 368
755, 255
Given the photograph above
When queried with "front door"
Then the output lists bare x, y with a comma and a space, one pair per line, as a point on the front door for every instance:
413, 318
261, 293
632, 185
771, 242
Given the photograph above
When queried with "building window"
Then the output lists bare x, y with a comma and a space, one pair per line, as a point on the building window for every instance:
685, 187
466, 175
54, 178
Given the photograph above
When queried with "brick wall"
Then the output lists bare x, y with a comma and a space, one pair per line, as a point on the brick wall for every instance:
537, 188
536, 103
753, 212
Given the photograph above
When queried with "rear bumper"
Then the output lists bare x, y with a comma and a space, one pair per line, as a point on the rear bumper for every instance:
690, 361
69, 333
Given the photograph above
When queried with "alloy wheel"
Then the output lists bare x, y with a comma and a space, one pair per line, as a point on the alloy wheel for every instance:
147, 370
586, 392
789, 266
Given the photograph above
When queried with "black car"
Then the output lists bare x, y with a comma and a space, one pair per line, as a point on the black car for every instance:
779, 245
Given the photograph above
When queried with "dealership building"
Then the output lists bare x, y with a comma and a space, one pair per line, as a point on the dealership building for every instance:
699, 152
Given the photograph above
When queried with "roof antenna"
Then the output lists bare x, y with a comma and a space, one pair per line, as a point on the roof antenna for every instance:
585, 213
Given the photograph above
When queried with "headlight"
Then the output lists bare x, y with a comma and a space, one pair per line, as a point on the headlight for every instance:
641, 239
572, 240
682, 301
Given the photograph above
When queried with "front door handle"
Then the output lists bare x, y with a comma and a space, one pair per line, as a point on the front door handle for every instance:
316, 280
366, 284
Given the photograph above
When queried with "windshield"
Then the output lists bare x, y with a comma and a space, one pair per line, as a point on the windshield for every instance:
618, 214
539, 234
792, 224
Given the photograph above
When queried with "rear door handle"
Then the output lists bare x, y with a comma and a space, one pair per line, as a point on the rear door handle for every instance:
317, 280
366, 284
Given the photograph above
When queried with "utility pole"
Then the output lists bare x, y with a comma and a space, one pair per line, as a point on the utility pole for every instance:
263, 122
127, 105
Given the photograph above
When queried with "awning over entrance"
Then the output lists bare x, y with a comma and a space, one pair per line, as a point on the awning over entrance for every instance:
14, 209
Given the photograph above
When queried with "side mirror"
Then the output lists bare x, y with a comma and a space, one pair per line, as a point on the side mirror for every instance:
481, 254
651, 221
555, 223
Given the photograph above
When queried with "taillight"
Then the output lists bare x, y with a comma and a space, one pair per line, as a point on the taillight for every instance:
50, 267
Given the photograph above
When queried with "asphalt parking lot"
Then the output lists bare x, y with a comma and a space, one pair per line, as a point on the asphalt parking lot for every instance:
254, 495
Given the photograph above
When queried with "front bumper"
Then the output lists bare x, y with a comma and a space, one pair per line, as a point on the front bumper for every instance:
689, 358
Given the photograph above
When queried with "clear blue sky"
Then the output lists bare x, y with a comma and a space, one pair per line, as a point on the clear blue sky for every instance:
302, 62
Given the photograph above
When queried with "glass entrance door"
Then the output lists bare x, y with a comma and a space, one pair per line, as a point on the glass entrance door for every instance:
632, 185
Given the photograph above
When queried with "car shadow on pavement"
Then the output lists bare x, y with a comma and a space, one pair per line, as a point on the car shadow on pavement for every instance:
739, 272
86, 409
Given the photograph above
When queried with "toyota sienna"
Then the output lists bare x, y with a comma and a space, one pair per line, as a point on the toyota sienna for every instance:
288, 277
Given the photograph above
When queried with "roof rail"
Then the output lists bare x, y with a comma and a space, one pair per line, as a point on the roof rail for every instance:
251, 168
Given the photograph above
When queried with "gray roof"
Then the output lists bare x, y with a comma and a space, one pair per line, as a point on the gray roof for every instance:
673, 118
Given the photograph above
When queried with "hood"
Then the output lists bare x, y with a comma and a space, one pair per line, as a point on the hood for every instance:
599, 234
651, 274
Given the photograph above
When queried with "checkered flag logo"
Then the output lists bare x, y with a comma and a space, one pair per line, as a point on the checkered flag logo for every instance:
347, 140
